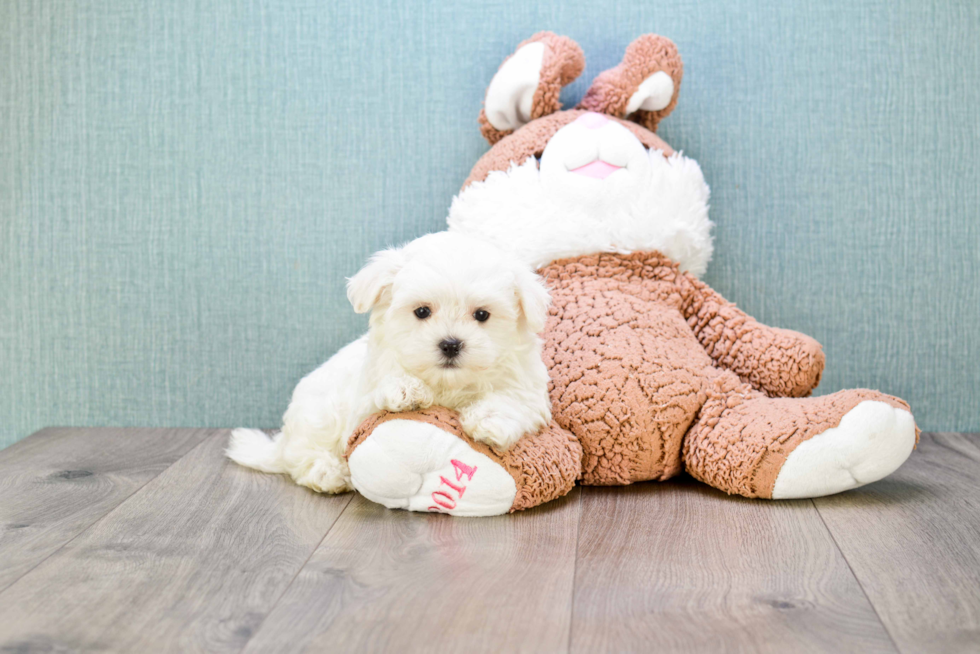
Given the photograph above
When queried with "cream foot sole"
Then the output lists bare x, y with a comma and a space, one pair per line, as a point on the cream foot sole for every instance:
406, 464
872, 440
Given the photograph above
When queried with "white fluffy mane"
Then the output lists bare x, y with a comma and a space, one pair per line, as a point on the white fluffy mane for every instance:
542, 222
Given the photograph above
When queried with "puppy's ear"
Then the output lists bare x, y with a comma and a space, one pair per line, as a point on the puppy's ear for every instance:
368, 287
533, 299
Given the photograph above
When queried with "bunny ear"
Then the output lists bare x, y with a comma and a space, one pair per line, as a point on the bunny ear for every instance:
528, 83
643, 87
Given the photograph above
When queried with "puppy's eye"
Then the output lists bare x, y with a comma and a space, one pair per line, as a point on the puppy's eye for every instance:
423, 312
481, 315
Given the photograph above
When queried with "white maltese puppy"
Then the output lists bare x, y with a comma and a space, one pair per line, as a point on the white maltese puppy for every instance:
454, 322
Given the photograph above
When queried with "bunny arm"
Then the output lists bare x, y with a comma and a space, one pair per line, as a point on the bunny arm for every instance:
779, 362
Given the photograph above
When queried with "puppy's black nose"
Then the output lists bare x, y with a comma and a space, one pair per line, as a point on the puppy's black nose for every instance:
451, 347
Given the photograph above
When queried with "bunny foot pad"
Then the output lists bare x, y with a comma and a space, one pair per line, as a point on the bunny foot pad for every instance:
423, 461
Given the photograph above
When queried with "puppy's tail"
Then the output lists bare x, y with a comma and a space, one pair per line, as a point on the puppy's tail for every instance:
252, 448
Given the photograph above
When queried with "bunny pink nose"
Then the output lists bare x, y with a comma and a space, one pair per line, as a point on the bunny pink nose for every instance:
592, 120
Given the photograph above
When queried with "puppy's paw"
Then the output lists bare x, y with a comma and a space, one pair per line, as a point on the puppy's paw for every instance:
494, 422
403, 393
328, 474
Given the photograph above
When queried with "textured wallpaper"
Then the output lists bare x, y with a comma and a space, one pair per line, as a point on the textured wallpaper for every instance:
185, 184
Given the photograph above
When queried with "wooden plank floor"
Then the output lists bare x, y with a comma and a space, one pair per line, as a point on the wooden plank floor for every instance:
140, 540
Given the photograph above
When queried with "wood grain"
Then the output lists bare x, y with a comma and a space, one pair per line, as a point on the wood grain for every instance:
190, 563
913, 541
391, 581
679, 567
133, 555
59, 481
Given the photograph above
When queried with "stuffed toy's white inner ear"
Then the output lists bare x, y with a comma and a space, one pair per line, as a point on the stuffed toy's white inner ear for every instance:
511, 92
653, 94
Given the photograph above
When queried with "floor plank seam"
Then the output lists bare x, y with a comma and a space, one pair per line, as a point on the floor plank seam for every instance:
856, 578
286, 588
106, 514
571, 607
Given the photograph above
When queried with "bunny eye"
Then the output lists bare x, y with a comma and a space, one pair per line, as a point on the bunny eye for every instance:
423, 312
481, 315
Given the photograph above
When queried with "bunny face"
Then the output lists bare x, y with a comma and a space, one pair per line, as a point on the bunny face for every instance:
596, 178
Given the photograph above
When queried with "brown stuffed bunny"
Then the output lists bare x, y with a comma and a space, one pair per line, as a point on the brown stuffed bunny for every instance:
652, 372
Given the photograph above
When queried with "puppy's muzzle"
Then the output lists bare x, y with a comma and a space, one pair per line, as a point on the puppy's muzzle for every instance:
451, 347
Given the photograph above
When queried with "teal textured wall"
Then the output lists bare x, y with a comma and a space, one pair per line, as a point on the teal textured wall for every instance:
185, 184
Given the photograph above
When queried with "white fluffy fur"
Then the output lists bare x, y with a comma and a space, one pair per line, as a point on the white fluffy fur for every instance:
498, 383
546, 212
